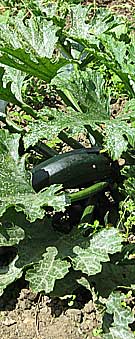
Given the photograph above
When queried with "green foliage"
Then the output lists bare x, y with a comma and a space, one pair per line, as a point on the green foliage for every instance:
16, 189
39, 244
80, 58
29, 47
122, 317
127, 211
118, 135
88, 259
43, 275
8, 275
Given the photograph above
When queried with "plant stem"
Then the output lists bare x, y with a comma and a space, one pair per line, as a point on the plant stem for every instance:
70, 141
87, 192
45, 150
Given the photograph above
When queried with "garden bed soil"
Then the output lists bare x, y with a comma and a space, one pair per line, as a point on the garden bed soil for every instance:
26, 315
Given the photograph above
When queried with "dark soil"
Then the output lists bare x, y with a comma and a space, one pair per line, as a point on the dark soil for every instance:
26, 315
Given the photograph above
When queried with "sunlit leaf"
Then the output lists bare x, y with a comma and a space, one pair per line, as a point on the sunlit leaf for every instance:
42, 277
89, 259
117, 136
122, 317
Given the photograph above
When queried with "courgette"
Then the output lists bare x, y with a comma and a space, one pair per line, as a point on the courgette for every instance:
72, 169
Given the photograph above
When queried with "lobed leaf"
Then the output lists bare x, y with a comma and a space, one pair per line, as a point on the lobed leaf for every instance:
79, 26
43, 275
41, 67
89, 258
118, 134
122, 317
16, 78
16, 189
41, 235
6, 91
85, 90
36, 34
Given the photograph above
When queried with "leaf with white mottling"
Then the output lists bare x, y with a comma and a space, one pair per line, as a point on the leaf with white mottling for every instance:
118, 134
42, 68
86, 92
89, 260
6, 93
16, 189
43, 275
16, 78
122, 317
79, 26
37, 35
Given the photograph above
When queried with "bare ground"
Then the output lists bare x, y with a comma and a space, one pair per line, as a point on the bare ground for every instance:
26, 315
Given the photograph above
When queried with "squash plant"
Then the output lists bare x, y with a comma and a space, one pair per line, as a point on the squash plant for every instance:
74, 55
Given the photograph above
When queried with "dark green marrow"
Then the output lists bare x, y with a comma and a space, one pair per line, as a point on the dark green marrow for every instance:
72, 169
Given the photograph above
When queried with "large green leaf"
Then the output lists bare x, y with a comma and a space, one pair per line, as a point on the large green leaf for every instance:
100, 41
89, 32
115, 49
111, 277
79, 26
42, 277
10, 89
33, 238
36, 35
89, 259
28, 47
16, 78
40, 235
56, 121
118, 134
122, 317
104, 21
85, 89
38, 239
41, 67
85, 92
6, 92
48, 125
16, 189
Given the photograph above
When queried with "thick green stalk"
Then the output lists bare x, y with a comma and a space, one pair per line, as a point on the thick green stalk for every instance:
87, 192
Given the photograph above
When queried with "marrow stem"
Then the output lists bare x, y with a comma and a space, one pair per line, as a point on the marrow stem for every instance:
87, 192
